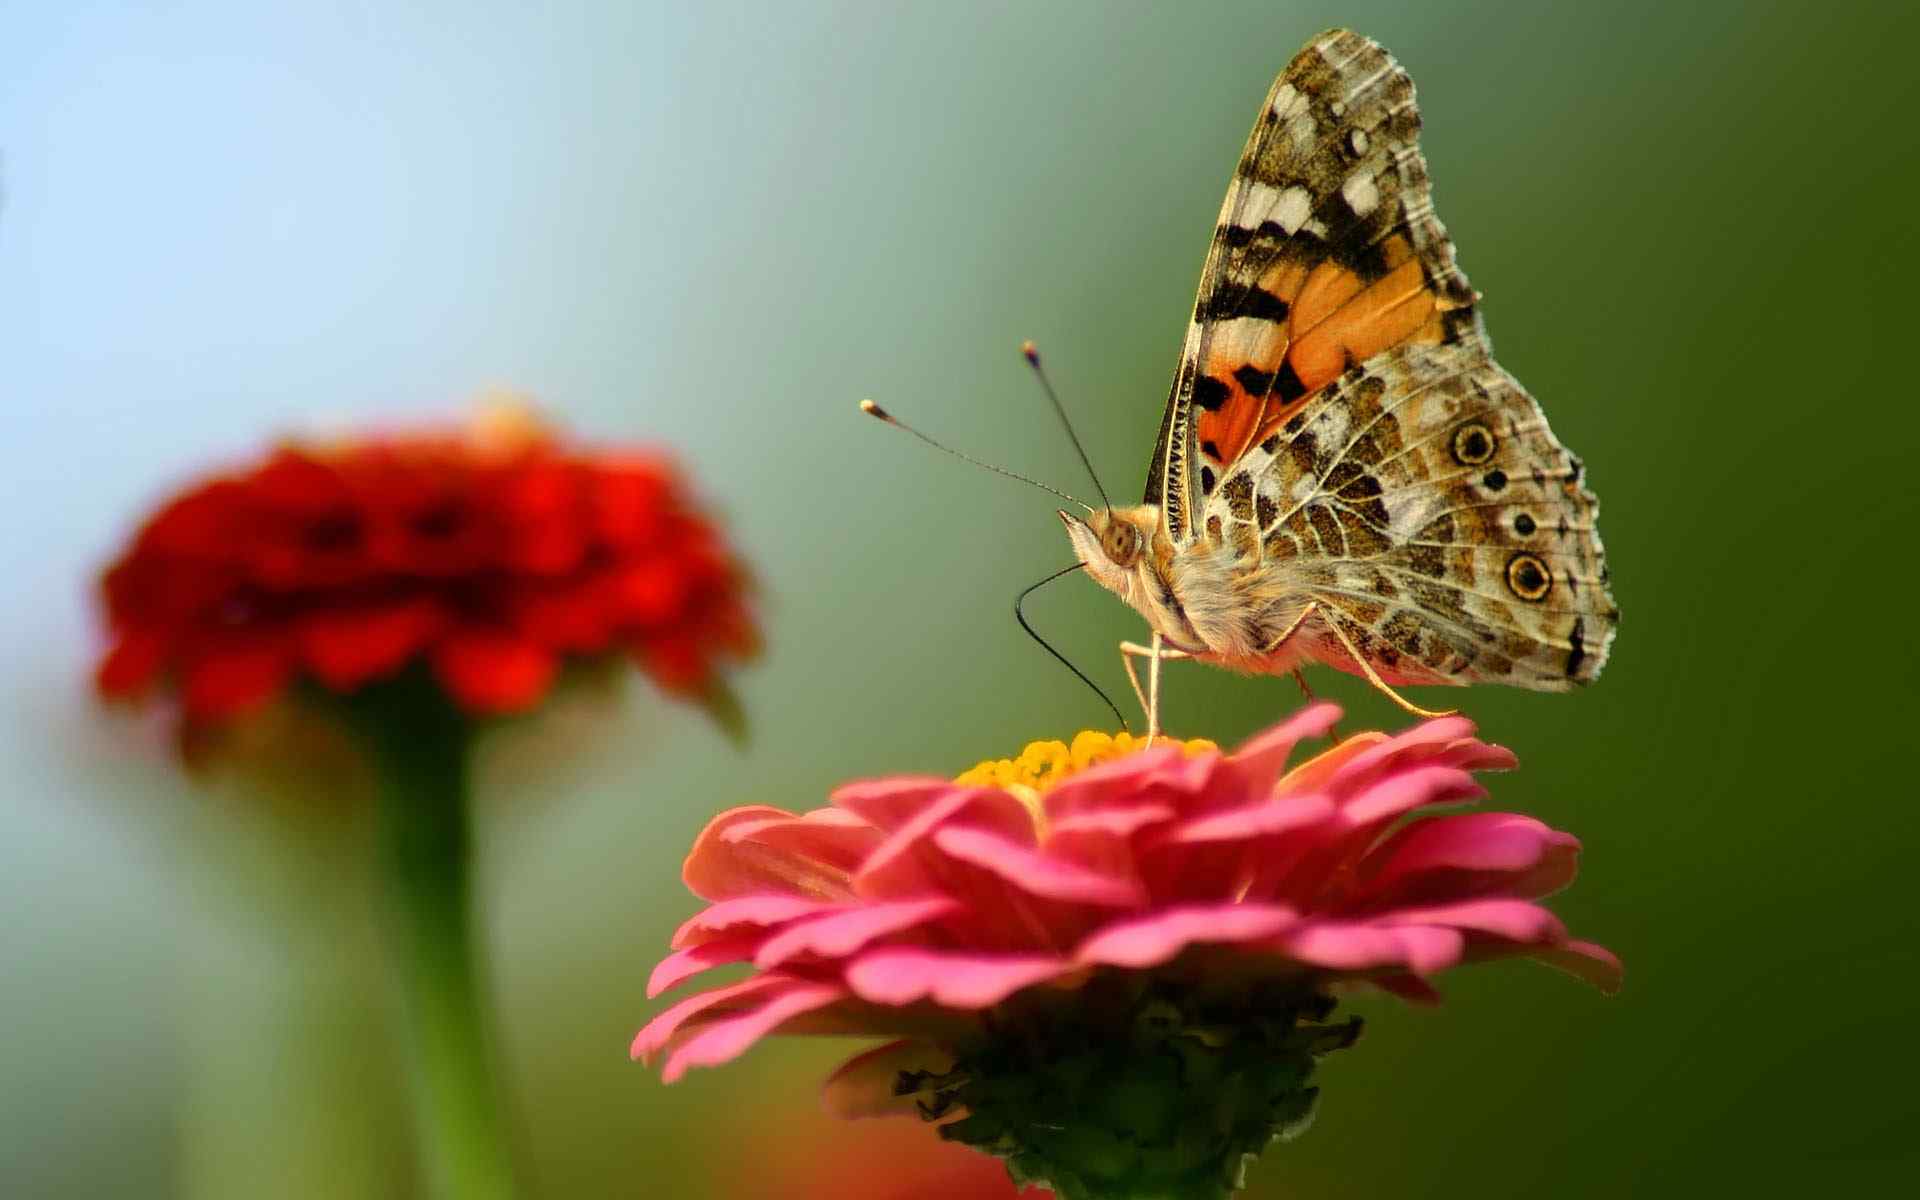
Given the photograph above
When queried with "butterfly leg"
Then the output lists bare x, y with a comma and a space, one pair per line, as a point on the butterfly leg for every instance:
1373, 677
1149, 699
1153, 692
1300, 680
1353, 652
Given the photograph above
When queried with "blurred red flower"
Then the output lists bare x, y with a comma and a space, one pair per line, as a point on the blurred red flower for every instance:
490, 554
886, 1160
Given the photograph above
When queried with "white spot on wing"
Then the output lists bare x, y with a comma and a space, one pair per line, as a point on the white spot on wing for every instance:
1288, 101
1292, 209
1360, 193
1257, 205
1366, 85
1248, 339
1305, 133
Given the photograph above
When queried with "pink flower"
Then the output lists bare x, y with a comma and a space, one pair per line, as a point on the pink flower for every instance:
1119, 970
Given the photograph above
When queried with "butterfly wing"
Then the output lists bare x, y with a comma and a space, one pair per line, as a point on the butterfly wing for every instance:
1422, 501
1326, 252
1339, 422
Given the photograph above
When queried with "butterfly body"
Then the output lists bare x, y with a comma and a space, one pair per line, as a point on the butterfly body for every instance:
1344, 474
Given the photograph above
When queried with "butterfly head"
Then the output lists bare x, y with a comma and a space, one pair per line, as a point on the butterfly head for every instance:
1111, 543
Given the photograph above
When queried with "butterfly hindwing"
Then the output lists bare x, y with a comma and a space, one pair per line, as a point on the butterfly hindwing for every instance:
1423, 502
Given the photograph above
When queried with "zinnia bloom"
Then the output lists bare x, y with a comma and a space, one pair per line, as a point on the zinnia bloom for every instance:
1114, 968
490, 555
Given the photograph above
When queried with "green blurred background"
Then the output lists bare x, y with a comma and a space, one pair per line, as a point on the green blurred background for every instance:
718, 227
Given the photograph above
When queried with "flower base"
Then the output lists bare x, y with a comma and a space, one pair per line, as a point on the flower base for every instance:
1164, 1094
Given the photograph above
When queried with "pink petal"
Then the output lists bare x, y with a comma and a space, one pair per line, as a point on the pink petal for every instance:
682, 965
836, 839
1316, 773
1584, 960
1102, 840
1469, 854
657, 1032
1429, 736
1150, 941
1464, 751
1365, 946
1429, 949
718, 869
1269, 818
1515, 920
899, 867
1262, 759
1157, 775
864, 1084
845, 930
1108, 823
1404, 790
728, 1039
1480, 756
891, 803
757, 912
902, 975
1034, 871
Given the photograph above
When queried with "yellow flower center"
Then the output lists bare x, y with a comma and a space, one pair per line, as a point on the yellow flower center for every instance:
1043, 764
504, 424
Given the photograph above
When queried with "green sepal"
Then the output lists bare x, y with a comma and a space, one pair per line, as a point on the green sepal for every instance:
1161, 1096
720, 702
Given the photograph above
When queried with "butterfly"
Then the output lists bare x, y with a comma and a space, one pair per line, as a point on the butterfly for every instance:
1344, 474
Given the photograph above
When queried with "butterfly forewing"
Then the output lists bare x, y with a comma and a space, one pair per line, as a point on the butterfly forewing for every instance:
1338, 422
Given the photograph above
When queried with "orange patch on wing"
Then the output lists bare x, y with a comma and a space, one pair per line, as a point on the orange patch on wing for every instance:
1335, 318
1285, 280
1225, 432
1230, 429
1432, 333
1325, 291
1385, 314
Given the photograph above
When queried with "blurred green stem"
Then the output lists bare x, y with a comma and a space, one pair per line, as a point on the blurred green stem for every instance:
422, 746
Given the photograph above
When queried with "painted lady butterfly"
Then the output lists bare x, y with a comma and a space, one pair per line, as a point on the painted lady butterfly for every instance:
1344, 475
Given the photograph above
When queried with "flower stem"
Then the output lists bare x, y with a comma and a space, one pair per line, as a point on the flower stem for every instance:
422, 746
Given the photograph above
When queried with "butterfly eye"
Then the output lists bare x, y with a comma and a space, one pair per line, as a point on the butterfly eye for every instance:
1121, 542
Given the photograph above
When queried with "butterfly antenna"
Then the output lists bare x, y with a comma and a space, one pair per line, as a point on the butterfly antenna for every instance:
1032, 354
880, 414
1021, 617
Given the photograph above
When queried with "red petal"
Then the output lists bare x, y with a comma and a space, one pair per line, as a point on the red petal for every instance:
629, 502
131, 665
494, 672
230, 680
651, 592
571, 617
345, 648
677, 664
